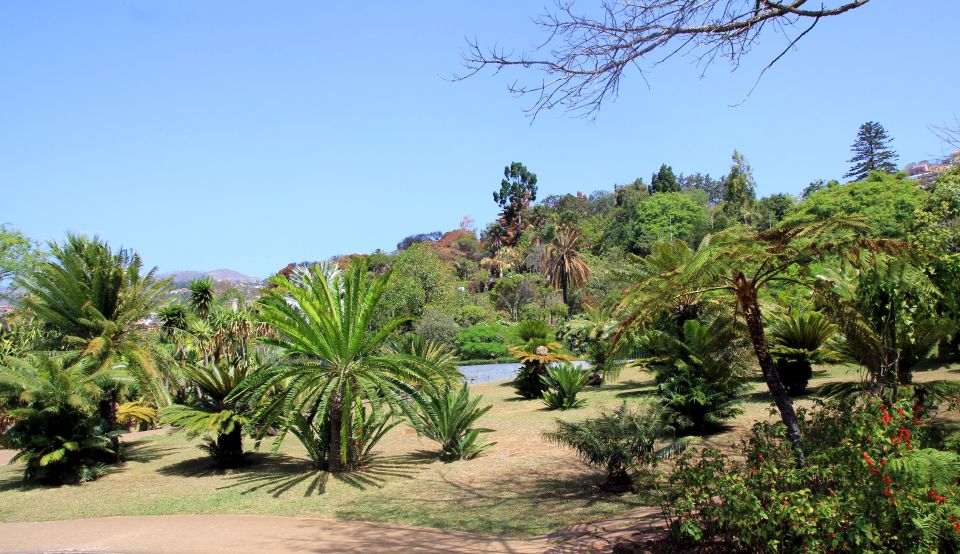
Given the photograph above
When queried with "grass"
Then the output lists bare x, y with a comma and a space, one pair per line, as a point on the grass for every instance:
523, 486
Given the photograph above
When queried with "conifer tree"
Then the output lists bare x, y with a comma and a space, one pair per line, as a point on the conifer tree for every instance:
664, 180
871, 152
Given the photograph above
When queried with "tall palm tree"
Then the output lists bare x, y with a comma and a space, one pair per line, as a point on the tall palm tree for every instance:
94, 300
564, 267
335, 362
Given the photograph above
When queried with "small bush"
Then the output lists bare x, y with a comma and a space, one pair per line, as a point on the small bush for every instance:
436, 325
448, 418
564, 381
619, 441
471, 314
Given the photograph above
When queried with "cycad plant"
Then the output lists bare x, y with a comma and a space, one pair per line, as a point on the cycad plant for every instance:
92, 300
449, 417
336, 363
595, 332
535, 356
798, 343
564, 382
620, 441
56, 430
214, 414
701, 375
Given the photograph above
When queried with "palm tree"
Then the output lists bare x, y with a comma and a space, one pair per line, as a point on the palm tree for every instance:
741, 262
564, 267
335, 362
94, 300
596, 329
201, 296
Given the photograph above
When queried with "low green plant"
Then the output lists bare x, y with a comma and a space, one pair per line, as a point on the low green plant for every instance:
797, 343
875, 478
564, 381
448, 417
482, 341
620, 441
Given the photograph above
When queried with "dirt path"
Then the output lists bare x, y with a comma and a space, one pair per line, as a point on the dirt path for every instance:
184, 534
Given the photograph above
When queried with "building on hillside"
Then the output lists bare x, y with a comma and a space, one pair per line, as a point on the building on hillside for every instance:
925, 173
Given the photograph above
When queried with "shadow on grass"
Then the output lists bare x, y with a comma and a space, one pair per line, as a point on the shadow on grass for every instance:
278, 474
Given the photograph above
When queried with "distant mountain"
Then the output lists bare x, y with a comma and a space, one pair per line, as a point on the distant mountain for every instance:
222, 275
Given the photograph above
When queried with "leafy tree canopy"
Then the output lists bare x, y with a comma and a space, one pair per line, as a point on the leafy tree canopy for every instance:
888, 202
667, 215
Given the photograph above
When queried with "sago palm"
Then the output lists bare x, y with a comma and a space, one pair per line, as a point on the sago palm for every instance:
335, 362
94, 299
798, 343
53, 405
620, 441
448, 417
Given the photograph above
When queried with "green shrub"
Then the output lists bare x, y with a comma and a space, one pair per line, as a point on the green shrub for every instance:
437, 325
471, 314
564, 381
448, 418
619, 441
482, 341
872, 480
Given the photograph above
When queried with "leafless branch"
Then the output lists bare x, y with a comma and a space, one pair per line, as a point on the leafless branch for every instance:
949, 133
584, 57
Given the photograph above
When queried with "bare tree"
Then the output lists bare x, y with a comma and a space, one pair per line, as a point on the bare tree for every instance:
949, 134
584, 57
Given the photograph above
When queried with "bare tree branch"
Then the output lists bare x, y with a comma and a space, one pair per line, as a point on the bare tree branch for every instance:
583, 57
949, 134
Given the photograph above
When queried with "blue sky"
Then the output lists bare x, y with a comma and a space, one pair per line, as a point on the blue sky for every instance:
250, 134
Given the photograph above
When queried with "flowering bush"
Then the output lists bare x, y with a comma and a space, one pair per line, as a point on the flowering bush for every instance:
872, 479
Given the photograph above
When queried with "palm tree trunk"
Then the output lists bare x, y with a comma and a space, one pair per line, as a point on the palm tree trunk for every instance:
565, 286
334, 461
231, 445
747, 297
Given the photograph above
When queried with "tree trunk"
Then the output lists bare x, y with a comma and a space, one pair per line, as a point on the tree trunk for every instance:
747, 297
334, 461
564, 286
230, 446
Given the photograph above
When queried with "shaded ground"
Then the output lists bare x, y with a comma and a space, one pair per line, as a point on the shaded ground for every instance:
241, 535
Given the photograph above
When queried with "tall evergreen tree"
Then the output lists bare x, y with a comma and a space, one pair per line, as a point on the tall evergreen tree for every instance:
518, 190
664, 180
738, 188
871, 152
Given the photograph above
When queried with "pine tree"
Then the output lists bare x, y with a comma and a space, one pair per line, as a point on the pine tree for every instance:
664, 180
871, 152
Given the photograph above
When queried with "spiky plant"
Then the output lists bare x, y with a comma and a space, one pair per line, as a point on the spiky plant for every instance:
620, 441
448, 417
201, 295
798, 343
564, 382
335, 361
535, 356
93, 300
440, 355
214, 414
56, 430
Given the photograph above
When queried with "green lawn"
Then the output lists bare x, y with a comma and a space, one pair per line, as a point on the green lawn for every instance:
523, 486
